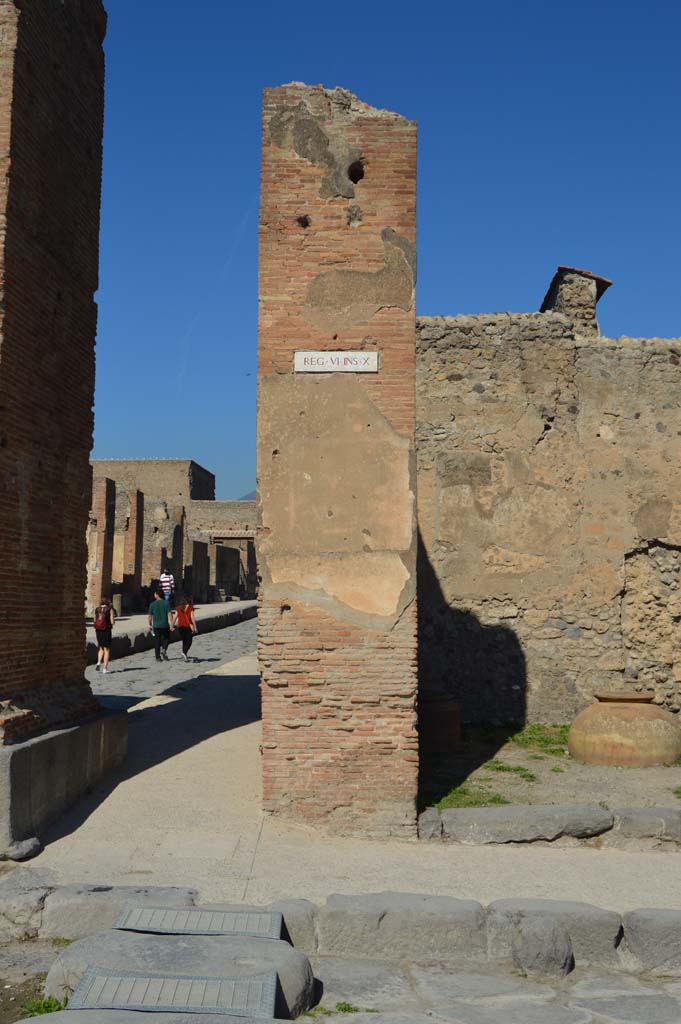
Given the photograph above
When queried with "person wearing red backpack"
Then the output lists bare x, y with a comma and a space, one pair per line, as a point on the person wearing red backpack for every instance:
103, 622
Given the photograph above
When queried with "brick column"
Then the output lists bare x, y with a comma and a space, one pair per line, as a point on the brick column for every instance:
51, 105
100, 542
336, 485
132, 547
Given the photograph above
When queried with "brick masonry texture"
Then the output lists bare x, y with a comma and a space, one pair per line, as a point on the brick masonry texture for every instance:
336, 534
51, 105
549, 511
100, 542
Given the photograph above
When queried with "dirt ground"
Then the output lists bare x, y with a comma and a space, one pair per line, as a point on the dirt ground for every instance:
490, 768
23, 967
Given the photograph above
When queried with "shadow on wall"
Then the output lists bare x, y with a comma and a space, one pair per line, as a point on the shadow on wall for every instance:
480, 669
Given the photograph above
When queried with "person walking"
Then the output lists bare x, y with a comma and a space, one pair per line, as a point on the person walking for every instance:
185, 620
167, 583
104, 620
159, 624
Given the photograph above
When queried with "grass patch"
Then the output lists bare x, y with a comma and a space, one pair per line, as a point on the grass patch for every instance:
514, 769
537, 757
470, 796
557, 768
677, 792
319, 1011
548, 739
349, 1008
38, 1007
60, 943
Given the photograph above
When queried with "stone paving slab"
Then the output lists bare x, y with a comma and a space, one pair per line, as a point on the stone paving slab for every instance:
153, 993
480, 825
213, 956
75, 911
131, 633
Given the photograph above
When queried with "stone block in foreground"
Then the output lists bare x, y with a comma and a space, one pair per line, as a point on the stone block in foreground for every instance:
594, 933
75, 911
653, 938
395, 926
480, 825
205, 956
22, 897
45, 775
649, 823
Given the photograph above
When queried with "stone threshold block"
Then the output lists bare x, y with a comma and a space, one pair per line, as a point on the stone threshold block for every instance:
43, 776
181, 956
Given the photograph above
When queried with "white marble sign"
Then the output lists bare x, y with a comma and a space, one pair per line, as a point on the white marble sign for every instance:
336, 362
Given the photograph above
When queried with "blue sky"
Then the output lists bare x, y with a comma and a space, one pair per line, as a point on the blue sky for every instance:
548, 133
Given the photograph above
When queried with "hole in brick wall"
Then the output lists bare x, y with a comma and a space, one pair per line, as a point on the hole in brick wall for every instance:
304, 221
356, 171
335, 337
275, 453
353, 216
285, 608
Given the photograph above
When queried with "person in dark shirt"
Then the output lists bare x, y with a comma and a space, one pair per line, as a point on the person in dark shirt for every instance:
159, 625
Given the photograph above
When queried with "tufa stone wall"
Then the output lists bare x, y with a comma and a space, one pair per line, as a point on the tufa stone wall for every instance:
51, 106
164, 541
208, 519
177, 481
336, 485
549, 510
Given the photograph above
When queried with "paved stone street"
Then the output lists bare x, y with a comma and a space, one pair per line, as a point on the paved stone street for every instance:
185, 809
399, 993
133, 679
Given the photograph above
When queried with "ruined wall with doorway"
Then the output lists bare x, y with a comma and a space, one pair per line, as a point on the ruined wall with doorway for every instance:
51, 112
549, 510
336, 468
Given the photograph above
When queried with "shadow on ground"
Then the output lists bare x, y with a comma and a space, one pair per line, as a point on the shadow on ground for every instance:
463, 664
192, 712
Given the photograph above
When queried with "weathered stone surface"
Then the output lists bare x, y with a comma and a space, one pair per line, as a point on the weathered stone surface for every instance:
430, 824
649, 1009
649, 823
396, 926
204, 956
594, 933
22, 897
513, 1011
653, 937
299, 923
43, 775
368, 984
540, 946
523, 824
441, 985
75, 911
549, 511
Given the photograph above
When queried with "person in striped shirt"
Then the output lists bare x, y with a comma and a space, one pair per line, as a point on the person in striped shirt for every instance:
167, 583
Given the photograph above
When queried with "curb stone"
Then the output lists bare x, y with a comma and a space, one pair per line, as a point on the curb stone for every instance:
548, 822
653, 938
76, 911
512, 824
594, 933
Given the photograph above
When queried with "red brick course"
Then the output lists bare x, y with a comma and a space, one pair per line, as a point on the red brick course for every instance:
339, 692
51, 106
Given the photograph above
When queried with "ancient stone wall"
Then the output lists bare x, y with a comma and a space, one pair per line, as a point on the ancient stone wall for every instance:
100, 542
164, 541
128, 548
176, 481
51, 106
550, 512
208, 519
336, 541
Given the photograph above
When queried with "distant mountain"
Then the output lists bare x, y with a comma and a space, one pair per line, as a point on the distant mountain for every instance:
248, 497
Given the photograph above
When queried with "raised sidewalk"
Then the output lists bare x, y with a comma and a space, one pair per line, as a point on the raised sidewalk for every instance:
131, 632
